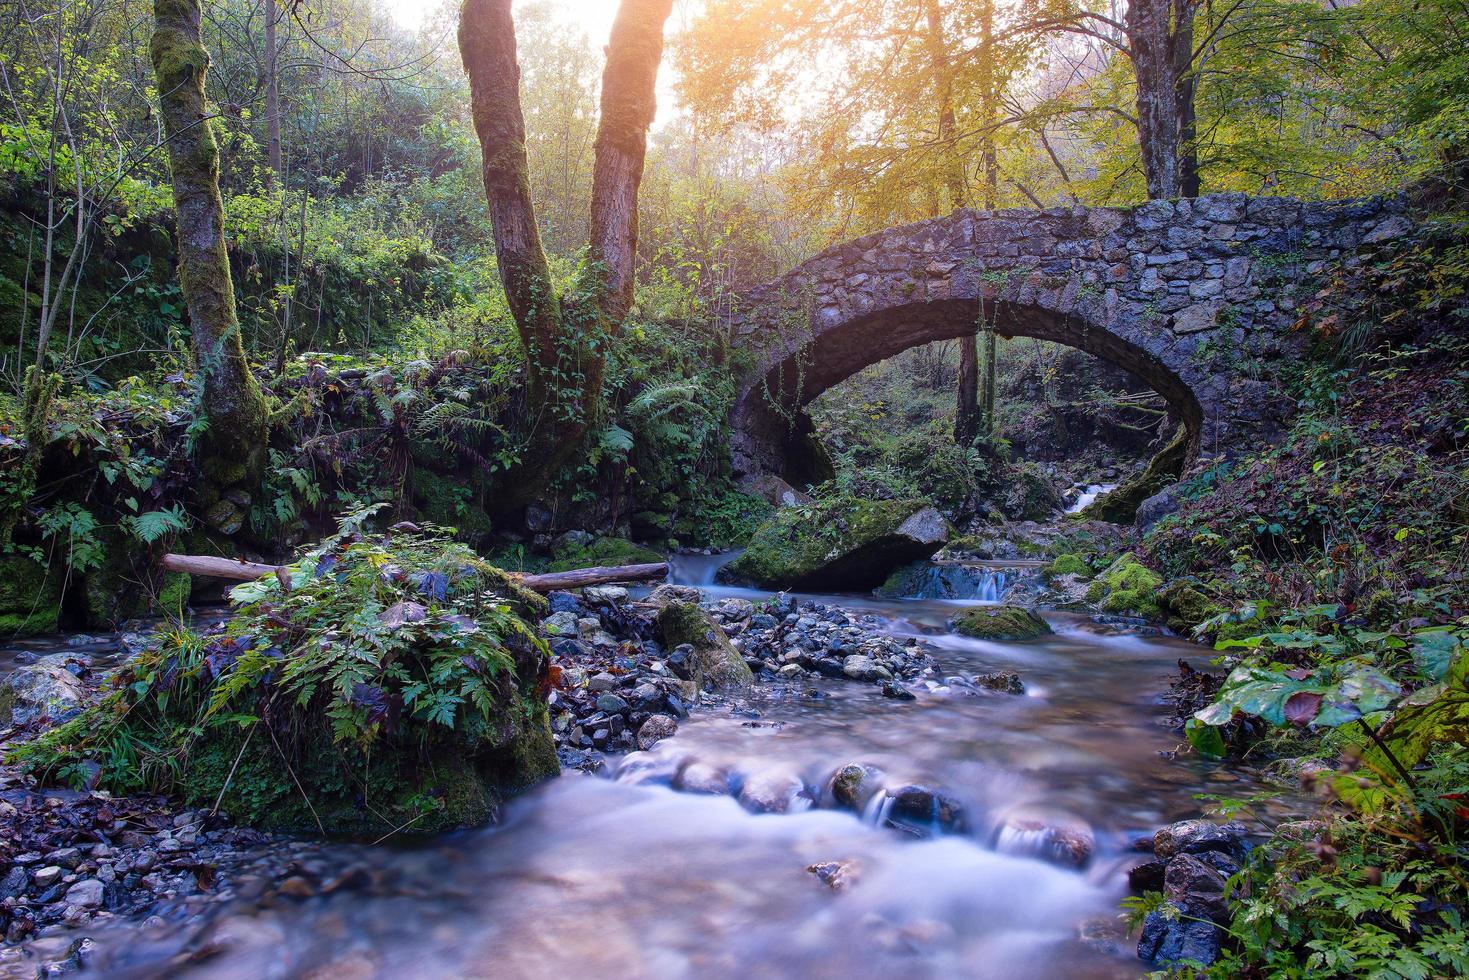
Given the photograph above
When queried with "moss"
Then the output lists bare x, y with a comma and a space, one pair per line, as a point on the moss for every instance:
30, 597
1127, 586
716, 662
839, 543
1120, 505
1000, 623
174, 596
1185, 606
603, 552
442, 501
1069, 564
1029, 495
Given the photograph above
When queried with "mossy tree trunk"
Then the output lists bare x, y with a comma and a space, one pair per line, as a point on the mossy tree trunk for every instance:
232, 449
564, 337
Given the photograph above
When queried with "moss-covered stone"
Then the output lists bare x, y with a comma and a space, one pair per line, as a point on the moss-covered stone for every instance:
717, 663
1000, 623
1185, 606
1029, 495
839, 543
1127, 586
1069, 564
1120, 505
30, 597
442, 501
440, 717
610, 552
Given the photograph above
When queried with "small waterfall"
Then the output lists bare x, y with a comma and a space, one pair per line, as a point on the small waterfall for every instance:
1089, 495
698, 570
878, 809
946, 580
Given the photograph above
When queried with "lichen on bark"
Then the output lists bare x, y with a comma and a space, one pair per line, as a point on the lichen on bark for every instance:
232, 449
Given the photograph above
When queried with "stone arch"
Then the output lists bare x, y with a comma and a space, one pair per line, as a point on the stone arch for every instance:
1185, 294
772, 409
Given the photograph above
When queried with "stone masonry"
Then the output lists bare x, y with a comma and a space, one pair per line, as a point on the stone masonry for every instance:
1193, 296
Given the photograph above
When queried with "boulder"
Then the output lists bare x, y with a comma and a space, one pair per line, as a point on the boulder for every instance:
713, 660
841, 543
655, 730
919, 809
30, 597
43, 691
1173, 941
1000, 623
1198, 837
853, 785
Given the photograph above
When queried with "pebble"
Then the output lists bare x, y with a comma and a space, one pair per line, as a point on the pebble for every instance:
86, 894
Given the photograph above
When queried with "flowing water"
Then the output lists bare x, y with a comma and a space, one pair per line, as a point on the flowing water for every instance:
1088, 496
628, 877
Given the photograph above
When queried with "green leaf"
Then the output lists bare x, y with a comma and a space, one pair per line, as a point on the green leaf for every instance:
1206, 739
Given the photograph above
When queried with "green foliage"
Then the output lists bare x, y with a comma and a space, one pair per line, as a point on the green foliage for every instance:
370, 651
1127, 586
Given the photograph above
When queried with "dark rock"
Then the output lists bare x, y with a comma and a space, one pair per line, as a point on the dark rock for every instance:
1197, 836
1146, 877
681, 662
1167, 942
611, 703
895, 690
565, 602
1196, 887
923, 809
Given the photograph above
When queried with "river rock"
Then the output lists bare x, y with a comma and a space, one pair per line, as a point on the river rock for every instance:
1171, 941
655, 730
841, 543
86, 894
1003, 681
714, 661
1197, 887
1198, 836
852, 786
773, 792
921, 809
1006, 623
700, 777
605, 595
43, 691
836, 875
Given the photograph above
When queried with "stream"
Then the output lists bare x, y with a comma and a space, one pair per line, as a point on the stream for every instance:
627, 877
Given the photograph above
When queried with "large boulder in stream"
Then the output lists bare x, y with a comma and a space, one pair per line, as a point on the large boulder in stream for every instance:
388, 686
710, 659
840, 544
1000, 623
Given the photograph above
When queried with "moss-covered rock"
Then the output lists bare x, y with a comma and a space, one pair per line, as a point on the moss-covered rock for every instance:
448, 503
839, 543
716, 662
1000, 623
1029, 495
397, 686
1185, 606
30, 597
1127, 586
1069, 564
1120, 505
571, 553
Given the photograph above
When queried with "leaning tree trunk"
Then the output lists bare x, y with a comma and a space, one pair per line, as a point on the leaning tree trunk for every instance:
232, 448
565, 343
1160, 36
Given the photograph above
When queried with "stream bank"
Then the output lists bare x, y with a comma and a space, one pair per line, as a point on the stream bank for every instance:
690, 854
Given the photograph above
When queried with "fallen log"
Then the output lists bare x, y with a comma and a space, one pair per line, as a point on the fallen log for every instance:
247, 571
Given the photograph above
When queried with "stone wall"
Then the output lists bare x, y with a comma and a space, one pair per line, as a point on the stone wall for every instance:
1193, 296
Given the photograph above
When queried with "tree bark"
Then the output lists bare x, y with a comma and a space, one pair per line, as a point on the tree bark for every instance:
564, 342
232, 449
950, 164
1160, 39
629, 101
966, 414
272, 95
237, 570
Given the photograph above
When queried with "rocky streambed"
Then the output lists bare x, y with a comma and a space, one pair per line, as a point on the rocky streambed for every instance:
880, 794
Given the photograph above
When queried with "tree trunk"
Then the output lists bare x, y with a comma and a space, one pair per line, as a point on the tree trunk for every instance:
987, 387
951, 166
628, 104
272, 95
232, 449
564, 343
1160, 36
966, 414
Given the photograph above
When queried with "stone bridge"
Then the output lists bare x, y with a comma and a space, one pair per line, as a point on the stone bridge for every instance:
1196, 297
